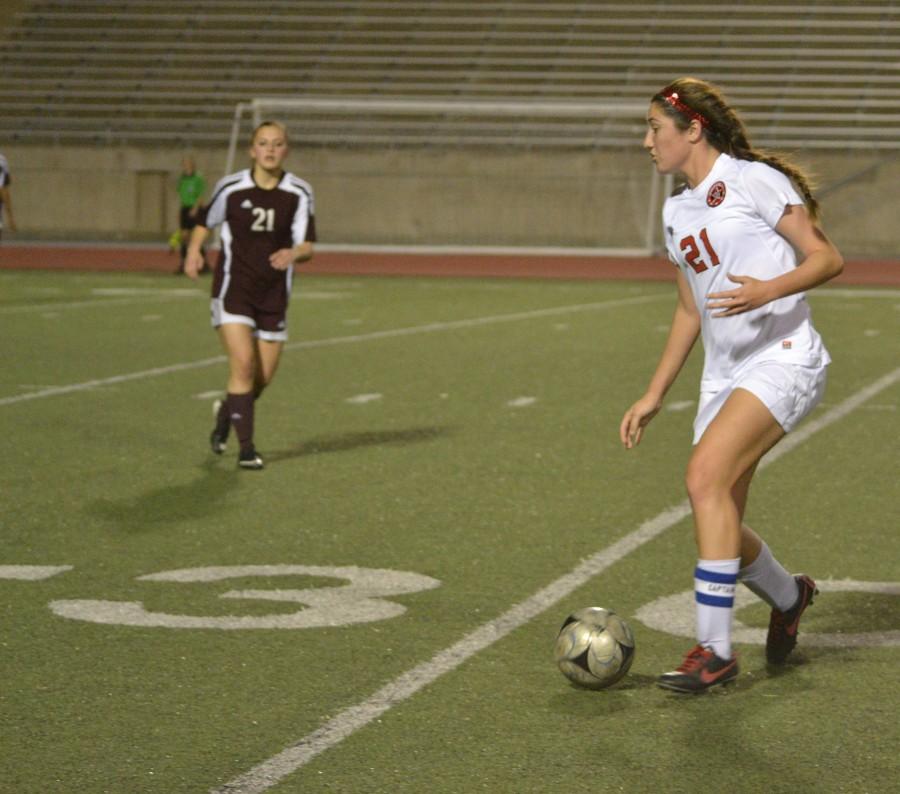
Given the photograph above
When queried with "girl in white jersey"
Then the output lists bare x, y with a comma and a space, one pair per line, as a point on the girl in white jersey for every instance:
747, 246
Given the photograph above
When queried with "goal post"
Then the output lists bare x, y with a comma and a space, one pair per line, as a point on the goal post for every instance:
590, 129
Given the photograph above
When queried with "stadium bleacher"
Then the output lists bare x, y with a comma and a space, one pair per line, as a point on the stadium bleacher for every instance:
823, 74
396, 94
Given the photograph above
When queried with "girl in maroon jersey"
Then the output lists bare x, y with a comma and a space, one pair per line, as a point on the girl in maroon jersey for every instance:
267, 225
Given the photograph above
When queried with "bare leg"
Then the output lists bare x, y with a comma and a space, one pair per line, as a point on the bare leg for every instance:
720, 470
718, 481
760, 572
751, 543
268, 356
240, 346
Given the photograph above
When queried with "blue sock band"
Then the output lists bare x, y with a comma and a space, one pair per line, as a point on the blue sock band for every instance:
713, 588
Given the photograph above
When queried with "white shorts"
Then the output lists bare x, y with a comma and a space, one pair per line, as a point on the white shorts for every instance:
789, 391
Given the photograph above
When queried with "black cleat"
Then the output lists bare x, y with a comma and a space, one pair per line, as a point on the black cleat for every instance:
250, 459
217, 443
700, 670
219, 437
783, 626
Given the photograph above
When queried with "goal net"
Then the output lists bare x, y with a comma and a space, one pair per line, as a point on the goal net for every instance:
534, 175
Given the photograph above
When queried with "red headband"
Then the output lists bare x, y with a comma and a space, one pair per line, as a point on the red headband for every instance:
671, 98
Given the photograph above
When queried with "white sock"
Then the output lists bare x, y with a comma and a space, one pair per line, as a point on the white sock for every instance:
714, 584
773, 584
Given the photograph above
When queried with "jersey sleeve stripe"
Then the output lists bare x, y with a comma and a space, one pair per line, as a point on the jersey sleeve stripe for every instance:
223, 188
305, 189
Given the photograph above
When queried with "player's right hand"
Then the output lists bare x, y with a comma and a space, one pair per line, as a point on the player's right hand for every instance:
193, 263
636, 419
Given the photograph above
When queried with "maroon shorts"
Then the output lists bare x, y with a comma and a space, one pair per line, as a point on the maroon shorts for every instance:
268, 323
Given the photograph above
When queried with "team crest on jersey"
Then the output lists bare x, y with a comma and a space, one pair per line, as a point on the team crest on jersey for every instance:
716, 194
246, 204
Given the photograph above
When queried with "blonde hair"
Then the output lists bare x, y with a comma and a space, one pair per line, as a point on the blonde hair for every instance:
262, 124
687, 99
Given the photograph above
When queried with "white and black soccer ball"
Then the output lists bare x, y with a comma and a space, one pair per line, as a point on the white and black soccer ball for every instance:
594, 648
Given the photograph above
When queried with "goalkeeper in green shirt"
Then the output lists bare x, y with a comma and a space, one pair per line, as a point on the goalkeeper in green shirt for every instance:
191, 187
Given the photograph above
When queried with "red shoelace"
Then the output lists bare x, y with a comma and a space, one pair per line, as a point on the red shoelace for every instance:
694, 659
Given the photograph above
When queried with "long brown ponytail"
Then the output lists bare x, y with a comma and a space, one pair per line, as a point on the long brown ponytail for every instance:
688, 98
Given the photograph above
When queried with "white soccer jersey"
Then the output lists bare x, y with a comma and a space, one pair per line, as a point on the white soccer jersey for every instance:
726, 224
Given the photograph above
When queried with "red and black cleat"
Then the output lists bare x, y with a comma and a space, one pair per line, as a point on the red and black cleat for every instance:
700, 670
783, 626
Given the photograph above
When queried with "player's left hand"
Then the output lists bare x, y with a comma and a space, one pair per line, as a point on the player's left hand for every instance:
282, 259
751, 294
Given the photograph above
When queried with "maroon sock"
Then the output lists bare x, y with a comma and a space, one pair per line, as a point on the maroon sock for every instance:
223, 418
240, 406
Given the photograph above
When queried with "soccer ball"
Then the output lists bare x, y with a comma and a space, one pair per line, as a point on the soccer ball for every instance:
594, 648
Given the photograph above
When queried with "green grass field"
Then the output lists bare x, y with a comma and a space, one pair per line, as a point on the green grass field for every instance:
460, 439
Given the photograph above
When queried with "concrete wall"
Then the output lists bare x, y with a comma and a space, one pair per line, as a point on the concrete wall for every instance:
420, 196
860, 201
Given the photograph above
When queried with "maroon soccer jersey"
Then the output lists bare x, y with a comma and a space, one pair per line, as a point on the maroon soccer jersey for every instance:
254, 223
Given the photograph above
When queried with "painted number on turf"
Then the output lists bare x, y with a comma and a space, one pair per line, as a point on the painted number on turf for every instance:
674, 614
362, 600
32, 573
692, 252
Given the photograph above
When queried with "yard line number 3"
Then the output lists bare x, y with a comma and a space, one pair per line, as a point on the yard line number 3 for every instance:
367, 597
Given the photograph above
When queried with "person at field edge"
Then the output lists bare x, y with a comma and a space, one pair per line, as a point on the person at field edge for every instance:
191, 187
6, 196
735, 230
267, 219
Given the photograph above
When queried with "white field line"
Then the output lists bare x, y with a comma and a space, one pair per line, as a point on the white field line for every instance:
490, 250
32, 573
452, 325
149, 297
839, 292
34, 308
268, 773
